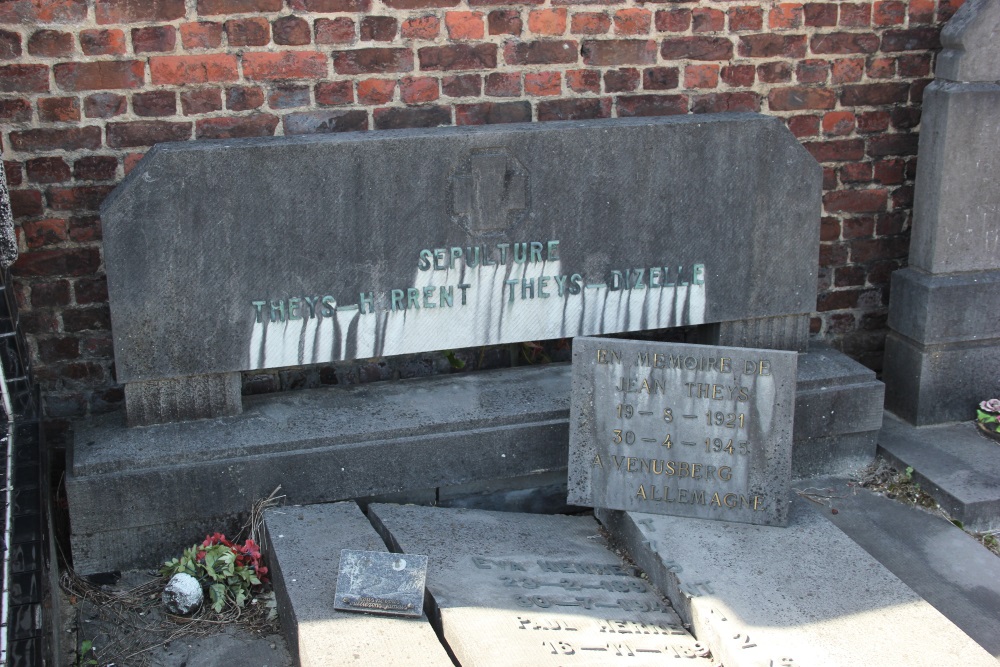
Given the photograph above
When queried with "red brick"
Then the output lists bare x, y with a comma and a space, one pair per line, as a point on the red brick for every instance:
811, 71
146, 133
47, 170
774, 72
586, 80
418, 90
660, 78
921, 11
462, 85
612, 53
374, 60
839, 123
154, 39
856, 15
50, 43
24, 79
915, 39
333, 93
85, 228
673, 20
77, 198
104, 105
701, 76
379, 28
873, 121
914, 64
500, 22
836, 150
15, 110
201, 100
458, 57
100, 75
772, 46
155, 103
43, 11
707, 20
892, 144
785, 15
55, 293
632, 21
651, 105
844, 42
201, 35
288, 97
541, 52
91, 290
109, 42
291, 31
334, 31
10, 45
850, 276
62, 348
330, 6
624, 80
745, 18
45, 139
95, 168
947, 9
420, 4
545, 84
847, 70
697, 48
12, 171
426, 27
464, 25
804, 126
889, 172
376, 91
213, 7
58, 109
244, 98
398, 118
284, 65
502, 84
795, 98
130, 11
574, 109
905, 118
856, 201
723, 102
180, 70
590, 23
874, 94
255, 125
820, 14
254, 31
917, 90
24, 203
490, 113
881, 68
889, 13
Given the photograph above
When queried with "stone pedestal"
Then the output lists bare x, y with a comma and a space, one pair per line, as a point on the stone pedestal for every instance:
944, 347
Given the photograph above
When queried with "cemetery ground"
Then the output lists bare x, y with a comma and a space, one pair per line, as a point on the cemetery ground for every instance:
120, 620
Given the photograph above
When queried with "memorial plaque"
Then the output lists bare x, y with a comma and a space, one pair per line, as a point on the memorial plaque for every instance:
689, 430
381, 583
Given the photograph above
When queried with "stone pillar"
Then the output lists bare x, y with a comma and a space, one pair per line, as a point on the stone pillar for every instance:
943, 351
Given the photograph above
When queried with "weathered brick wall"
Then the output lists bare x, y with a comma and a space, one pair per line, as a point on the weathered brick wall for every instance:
87, 86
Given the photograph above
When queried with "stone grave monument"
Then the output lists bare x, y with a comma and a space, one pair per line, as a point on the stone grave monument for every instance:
232, 256
943, 350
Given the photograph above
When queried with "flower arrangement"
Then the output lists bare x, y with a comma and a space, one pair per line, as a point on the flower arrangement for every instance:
988, 416
229, 570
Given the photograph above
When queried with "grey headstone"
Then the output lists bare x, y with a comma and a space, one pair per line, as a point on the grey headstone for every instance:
524, 589
788, 332
304, 546
690, 430
971, 41
183, 398
8, 242
381, 583
209, 248
802, 595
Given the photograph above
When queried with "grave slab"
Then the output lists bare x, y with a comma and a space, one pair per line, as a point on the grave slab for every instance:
954, 463
304, 549
513, 589
806, 594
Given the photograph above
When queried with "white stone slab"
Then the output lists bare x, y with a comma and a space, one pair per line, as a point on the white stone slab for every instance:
805, 595
305, 545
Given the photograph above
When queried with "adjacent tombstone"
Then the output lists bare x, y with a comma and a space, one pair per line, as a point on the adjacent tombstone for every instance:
689, 430
944, 346
512, 589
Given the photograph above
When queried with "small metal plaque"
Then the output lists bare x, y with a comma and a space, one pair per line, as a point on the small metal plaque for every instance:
378, 582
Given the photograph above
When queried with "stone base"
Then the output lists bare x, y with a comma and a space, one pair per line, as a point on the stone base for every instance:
169, 484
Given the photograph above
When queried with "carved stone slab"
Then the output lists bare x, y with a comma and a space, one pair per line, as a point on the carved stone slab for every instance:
688, 430
265, 253
526, 589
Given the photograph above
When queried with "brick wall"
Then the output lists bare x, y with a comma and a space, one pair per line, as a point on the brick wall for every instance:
87, 86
